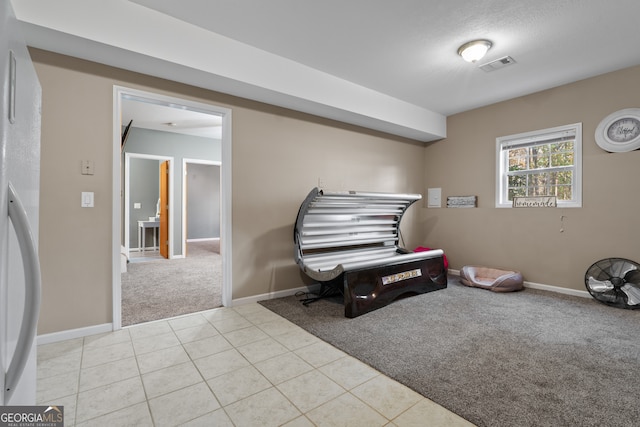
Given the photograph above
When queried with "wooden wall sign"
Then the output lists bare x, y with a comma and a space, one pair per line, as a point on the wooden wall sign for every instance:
535, 202
462, 201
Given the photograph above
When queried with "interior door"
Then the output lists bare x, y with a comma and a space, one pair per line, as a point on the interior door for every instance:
164, 209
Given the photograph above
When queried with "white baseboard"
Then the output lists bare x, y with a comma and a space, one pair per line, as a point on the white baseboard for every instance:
204, 239
74, 333
108, 327
566, 291
273, 295
542, 287
315, 288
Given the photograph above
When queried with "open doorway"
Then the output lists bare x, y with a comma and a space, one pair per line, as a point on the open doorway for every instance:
177, 241
147, 224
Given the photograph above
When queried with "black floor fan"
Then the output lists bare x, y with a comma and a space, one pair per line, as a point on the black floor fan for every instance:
615, 282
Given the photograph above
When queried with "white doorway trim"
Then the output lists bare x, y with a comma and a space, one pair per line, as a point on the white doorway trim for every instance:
185, 161
120, 92
127, 172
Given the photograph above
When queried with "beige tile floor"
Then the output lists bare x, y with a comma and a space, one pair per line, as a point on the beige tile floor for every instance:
242, 366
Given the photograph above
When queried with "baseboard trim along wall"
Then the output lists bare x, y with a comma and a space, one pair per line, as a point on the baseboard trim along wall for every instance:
203, 239
277, 294
74, 333
574, 292
108, 327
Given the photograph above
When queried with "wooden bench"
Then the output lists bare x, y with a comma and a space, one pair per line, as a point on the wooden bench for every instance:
348, 241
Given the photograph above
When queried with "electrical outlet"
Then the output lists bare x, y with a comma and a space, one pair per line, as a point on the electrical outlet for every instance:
88, 167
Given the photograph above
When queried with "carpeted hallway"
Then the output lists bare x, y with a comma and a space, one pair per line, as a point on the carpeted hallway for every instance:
160, 288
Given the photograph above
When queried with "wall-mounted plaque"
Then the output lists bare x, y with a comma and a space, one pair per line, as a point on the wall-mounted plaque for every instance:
462, 201
535, 202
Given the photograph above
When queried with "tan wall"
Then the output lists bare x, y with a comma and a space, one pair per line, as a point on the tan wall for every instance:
530, 239
278, 156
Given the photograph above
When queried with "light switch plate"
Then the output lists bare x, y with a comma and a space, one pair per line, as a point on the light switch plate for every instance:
434, 197
87, 199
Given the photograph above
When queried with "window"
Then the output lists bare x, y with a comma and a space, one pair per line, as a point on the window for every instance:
540, 163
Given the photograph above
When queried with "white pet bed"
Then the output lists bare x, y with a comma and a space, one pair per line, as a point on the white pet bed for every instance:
494, 279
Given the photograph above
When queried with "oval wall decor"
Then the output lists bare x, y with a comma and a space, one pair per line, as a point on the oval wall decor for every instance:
619, 131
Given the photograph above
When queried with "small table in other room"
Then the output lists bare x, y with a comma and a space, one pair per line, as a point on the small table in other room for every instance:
142, 228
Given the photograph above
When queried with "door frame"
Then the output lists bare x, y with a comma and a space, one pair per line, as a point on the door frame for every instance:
185, 162
120, 92
127, 211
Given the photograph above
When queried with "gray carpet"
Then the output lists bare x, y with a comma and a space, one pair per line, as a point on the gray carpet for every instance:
530, 358
162, 288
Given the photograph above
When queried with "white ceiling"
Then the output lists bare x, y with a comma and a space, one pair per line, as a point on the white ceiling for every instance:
163, 118
388, 65
408, 48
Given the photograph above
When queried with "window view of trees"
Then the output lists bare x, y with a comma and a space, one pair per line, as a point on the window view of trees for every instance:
545, 162
541, 170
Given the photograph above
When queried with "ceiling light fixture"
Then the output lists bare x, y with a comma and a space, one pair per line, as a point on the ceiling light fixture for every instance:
474, 50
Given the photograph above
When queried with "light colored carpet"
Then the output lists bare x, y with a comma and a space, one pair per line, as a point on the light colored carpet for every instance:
530, 358
162, 288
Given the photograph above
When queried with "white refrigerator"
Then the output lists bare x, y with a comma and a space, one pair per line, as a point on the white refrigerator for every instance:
19, 210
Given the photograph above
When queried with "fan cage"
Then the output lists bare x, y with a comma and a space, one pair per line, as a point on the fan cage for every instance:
614, 282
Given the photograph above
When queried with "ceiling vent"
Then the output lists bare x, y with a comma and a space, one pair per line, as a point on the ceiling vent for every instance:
497, 64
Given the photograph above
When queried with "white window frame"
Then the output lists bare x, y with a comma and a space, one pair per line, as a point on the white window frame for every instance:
532, 138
